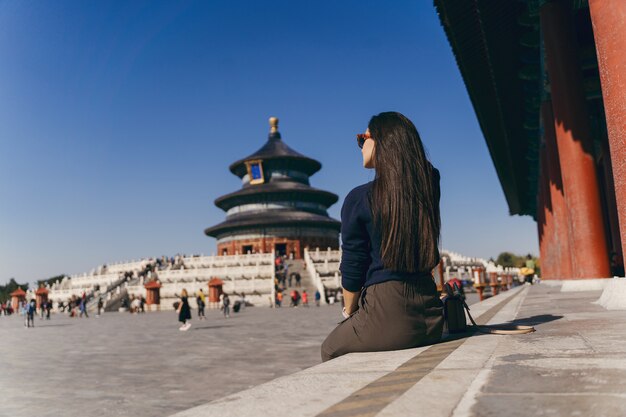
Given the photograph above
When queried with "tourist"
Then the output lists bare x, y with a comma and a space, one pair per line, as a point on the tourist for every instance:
70, 307
242, 301
48, 308
390, 231
226, 305
318, 297
279, 298
298, 278
184, 311
291, 278
125, 306
200, 300
100, 305
30, 313
42, 309
305, 299
135, 305
529, 270
83, 308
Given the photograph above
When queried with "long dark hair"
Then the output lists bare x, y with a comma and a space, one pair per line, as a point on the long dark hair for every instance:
405, 195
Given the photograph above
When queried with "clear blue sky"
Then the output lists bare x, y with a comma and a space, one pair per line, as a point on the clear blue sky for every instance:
118, 120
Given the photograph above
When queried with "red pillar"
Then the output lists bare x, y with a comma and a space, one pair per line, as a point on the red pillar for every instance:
153, 294
544, 219
480, 285
557, 262
586, 225
608, 18
41, 296
493, 282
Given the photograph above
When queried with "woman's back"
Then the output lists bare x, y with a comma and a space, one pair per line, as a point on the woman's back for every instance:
390, 234
361, 261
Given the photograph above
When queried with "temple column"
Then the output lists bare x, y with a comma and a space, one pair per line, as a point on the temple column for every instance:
558, 253
575, 147
608, 18
545, 221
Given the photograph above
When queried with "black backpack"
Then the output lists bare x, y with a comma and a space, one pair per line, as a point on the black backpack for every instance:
454, 309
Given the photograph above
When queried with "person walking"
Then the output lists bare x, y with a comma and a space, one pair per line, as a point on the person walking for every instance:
242, 301
390, 230
305, 299
83, 308
226, 304
200, 300
279, 298
100, 305
318, 297
529, 270
184, 312
30, 313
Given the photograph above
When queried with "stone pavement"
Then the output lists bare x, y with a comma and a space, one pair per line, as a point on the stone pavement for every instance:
574, 365
142, 365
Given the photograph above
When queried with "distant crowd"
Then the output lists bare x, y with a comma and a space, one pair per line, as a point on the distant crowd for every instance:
297, 296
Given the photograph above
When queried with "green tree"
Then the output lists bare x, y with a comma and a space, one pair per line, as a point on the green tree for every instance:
6, 290
51, 280
508, 259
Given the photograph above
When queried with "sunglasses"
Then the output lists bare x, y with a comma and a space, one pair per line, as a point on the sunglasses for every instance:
361, 138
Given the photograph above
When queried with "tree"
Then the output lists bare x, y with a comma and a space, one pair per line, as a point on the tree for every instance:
6, 290
51, 280
508, 259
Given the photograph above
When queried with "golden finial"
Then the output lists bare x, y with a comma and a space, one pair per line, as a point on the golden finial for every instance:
273, 124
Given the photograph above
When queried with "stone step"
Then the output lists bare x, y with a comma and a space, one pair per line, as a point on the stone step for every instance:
392, 384
306, 282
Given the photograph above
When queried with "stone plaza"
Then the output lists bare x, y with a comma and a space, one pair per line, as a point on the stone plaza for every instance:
123, 364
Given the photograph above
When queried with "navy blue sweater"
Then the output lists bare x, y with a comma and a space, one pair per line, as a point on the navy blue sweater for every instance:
361, 265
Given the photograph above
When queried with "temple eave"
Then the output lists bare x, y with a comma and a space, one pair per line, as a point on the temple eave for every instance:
265, 191
309, 166
256, 223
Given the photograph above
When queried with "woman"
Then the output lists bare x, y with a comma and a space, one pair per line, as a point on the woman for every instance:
390, 233
226, 305
184, 312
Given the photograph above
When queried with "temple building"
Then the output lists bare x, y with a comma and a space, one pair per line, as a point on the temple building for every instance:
547, 79
276, 209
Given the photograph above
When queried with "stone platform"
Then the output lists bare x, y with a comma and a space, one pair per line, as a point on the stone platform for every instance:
573, 365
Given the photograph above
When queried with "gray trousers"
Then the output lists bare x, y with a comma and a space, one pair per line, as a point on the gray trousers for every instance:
392, 315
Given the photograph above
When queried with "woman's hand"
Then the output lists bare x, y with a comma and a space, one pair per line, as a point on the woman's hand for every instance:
351, 301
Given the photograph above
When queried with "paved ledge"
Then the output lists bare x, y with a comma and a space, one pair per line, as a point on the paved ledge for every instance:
310, 392
575, 364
